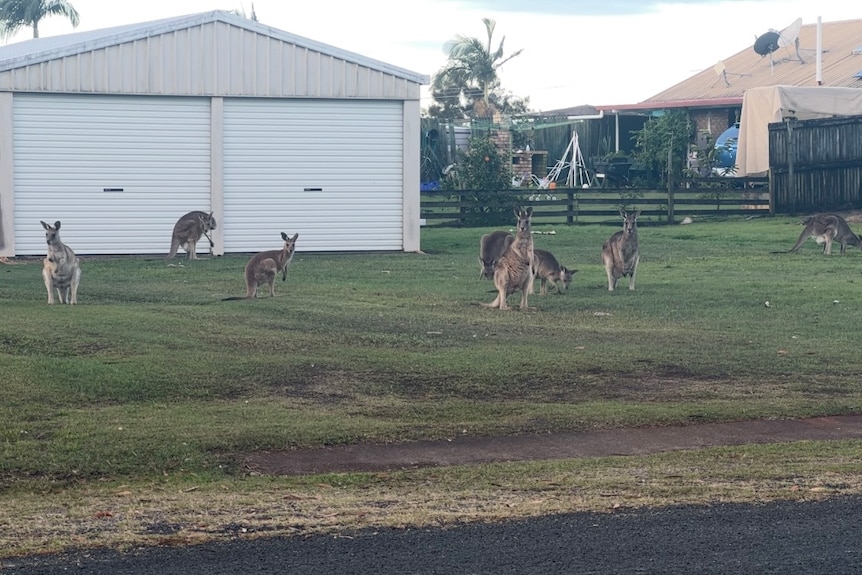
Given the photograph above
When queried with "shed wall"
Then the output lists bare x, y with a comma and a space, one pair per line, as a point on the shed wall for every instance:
330, 170
117, 171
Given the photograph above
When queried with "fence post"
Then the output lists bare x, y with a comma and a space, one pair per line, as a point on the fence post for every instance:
570, 208
791, 161
669, 187
771, 188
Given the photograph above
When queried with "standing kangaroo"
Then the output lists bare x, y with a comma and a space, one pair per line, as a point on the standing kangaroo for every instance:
60, 268
549, 271
514, 269
491, 247
826, 228
620, 253
188, 230
263, 267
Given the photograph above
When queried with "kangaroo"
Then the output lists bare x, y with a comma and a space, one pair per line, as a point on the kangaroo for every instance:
188, 230
549, 271
263, 267
491, 247
514, 269
60, 268
620, 253
825, 228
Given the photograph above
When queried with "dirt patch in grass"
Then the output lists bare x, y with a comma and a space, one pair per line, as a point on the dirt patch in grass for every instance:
536, 447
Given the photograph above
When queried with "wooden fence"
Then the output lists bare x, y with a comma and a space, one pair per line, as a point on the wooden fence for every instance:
704, 197
816, 165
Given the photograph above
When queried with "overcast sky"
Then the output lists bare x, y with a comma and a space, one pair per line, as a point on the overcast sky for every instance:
597, 52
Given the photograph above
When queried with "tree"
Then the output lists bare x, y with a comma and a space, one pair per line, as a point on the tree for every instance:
665, 136
241, 12
483, 171
469, 78
485, 167
18, 14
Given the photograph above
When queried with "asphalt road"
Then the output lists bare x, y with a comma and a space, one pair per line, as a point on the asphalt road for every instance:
794, 538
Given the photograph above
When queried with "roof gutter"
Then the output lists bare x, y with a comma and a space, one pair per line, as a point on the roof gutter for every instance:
598, 116
697, 103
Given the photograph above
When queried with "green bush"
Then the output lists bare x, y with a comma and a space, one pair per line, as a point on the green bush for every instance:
485, 170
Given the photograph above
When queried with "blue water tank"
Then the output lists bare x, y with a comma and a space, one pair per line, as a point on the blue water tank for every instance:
725, 147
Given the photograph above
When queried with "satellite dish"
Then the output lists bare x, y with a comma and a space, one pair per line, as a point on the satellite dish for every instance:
773, 40
767, 43
789, 35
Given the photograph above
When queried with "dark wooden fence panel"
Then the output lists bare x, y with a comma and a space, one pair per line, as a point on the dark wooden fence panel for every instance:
695, 198
816, 165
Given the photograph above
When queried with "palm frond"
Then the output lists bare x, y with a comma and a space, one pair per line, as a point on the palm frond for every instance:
472, 66
18, 14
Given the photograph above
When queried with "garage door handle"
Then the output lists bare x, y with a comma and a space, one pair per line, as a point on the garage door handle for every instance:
312, 189
112, 189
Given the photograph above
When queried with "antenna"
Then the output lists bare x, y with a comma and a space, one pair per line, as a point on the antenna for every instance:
721, 71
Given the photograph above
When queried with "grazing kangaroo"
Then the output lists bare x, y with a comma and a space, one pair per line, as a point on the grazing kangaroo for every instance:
263, 267
60, 268
620, 253
188, 230
826, 228
491, 247
514, 270
549, 271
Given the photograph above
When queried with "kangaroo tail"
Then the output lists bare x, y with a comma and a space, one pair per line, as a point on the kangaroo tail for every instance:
175, 245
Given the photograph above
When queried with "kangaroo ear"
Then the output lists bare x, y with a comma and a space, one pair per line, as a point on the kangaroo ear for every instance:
284, 236
57, 225
529, 211
44, 225
516, 212
296, 235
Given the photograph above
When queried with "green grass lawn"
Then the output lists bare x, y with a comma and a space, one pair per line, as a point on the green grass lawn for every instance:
153, 379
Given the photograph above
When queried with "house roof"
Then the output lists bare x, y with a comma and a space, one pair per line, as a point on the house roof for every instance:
725, 83
582, 110
40, 50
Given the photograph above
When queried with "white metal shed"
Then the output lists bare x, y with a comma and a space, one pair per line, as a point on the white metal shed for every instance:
118, 132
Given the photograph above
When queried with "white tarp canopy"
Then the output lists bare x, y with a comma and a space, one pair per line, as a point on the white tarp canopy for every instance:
762, 106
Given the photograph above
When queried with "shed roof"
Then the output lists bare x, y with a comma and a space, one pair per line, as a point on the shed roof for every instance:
30, 53
725, 83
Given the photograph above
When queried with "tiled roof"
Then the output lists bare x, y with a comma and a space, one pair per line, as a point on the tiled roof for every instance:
725, 83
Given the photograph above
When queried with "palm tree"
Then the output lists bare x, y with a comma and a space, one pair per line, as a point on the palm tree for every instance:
241, 12
471, 71
18, 14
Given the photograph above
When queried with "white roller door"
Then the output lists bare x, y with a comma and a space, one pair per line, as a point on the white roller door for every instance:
117, 171
330, 170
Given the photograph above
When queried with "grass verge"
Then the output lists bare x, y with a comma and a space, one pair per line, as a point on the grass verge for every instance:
142, 396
